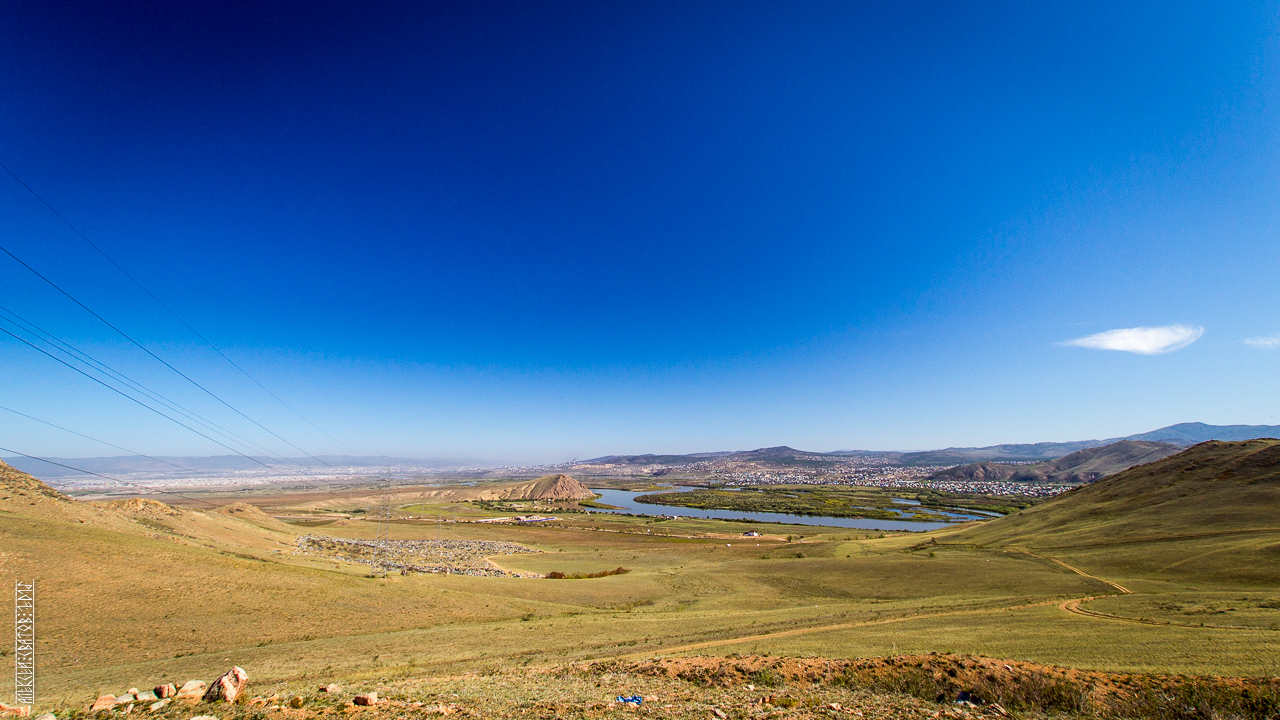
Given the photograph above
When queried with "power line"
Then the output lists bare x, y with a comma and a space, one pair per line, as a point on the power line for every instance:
161, 414
135, 400
177, 317
161, 360
131, 398
118, 447
108, 477
101, 367
104, 442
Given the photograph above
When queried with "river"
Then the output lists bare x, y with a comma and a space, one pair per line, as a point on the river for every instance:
625, 499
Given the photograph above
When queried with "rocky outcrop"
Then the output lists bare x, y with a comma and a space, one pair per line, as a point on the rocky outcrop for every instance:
228, 686
143, 508
245, 511
191, 691
550, 487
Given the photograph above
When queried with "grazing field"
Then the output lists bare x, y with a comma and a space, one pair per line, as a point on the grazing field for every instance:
139, 592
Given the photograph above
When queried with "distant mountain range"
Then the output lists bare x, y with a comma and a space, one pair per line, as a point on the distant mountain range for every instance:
1182, 434
135, 466
1081, 466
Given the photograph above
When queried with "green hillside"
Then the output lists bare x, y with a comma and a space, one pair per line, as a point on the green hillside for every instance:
1210, 514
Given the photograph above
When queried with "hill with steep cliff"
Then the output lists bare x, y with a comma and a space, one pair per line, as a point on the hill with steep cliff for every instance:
548, 487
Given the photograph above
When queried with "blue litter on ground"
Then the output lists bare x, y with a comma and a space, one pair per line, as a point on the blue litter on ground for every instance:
633, 700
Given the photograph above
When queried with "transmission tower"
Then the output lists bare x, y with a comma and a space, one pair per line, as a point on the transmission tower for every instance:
24, 641
381, 551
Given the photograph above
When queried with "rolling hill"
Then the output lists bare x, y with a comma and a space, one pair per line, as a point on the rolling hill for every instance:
1182, 434
1192, 433
1209, 489
1081, 466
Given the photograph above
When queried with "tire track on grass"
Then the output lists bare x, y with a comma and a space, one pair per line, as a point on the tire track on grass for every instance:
826, 628
1074, 605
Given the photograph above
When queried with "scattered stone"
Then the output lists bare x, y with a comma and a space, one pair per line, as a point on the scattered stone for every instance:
369, 698
718, 713
295, 702
146, 696
125, 698
165, 691
18, 710
159, 704
191, 691
104, 702
133, 691
330, 688
997, 709
228, 686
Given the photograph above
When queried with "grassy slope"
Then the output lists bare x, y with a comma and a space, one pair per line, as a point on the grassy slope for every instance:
1211, 488
129, 594
1207, 516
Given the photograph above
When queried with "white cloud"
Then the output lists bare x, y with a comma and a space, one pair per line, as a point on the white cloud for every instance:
1270, 343
1141, 340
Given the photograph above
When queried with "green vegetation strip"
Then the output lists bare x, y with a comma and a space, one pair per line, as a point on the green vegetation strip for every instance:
838, 501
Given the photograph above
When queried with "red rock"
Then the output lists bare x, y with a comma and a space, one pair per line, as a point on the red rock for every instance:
228, 686
104, 702
165, 691
369, 698
191, 691
330, 688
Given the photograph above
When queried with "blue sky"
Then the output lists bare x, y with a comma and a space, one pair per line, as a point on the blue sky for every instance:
534, 232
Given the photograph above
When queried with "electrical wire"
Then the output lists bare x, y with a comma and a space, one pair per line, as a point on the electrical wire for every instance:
161, 360
295, 476
177, 317
108, 477
132, 452
104, 442
101, 367
133, 399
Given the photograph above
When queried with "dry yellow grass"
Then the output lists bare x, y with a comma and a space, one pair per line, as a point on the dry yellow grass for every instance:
142, 593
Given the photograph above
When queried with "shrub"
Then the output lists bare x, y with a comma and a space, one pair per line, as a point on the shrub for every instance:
765, 677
